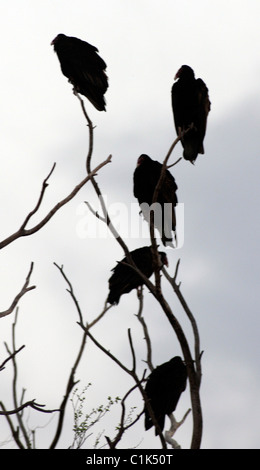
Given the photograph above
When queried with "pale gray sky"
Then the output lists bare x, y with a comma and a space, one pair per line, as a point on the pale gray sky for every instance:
143, 43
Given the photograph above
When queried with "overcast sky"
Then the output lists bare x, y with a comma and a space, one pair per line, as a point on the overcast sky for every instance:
144, 43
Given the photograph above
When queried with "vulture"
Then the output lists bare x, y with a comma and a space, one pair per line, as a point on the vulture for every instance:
146, 176
190, 106
163, 389
124, 278
84, 68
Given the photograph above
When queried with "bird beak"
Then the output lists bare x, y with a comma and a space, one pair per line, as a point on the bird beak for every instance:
177, 75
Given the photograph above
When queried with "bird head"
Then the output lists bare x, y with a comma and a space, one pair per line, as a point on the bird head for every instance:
164, 258
143, 158
185, 71
57, 38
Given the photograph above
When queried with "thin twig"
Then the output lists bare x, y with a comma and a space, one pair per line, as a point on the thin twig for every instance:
14, 383
14, 431
23, 291
122, 426
175, 163
2, 366
132, 350
95, 213
44, 187
71, 291
70, 385
105, 310
30, 404
145, 330
176, 288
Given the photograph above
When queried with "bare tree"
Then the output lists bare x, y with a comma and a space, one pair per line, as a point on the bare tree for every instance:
25, 438
193, 367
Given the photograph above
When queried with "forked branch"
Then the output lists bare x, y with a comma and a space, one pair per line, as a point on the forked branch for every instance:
23, 231
26, 288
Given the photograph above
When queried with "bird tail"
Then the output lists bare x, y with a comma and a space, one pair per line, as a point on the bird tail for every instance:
97, 101
169, 241
113, 298
192, 145
147, 422
189, 153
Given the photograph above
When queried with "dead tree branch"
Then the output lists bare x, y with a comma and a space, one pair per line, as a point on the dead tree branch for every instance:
70, 385
133, 374
123, 427
18, 407
174, 426
23, 232
145, 329
26, 288
156, 290
130, 371
176, 288
14, 385
31, 404
15, 431
194, 389
70, 290
2, 366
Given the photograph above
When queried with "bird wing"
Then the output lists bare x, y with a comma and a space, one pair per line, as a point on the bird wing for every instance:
145, 179
157, 394
168, 199
177, 108
183, 104
203, 96
90, 65
203, 109
125, 278
164, 387
168, 189
84, 68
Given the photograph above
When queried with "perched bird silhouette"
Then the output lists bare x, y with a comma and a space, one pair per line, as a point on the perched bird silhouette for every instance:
163, 388
84, 68
146, 177
124, 278
190, 106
